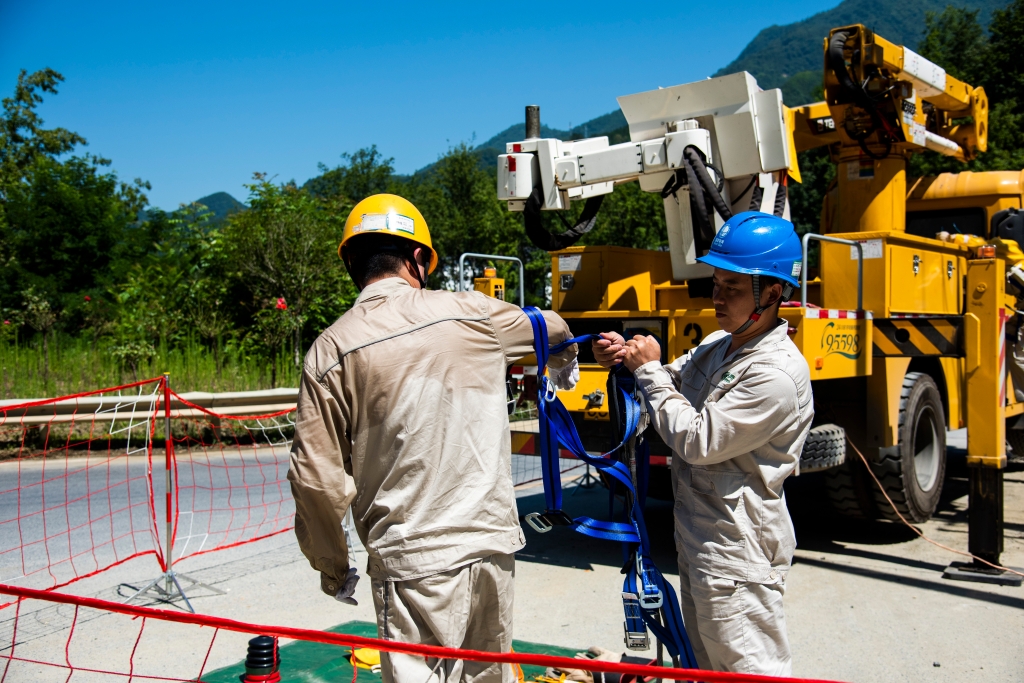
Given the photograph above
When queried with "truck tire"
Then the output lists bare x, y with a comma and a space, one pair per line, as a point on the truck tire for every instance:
824, 449
1015, 438
912, 471
849, 489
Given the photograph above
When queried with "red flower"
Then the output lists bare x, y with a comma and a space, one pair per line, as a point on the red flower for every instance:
7, 322
281, 305
88, 298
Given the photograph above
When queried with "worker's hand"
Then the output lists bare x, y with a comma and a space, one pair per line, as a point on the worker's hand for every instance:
348, 589
641, 350
609, 350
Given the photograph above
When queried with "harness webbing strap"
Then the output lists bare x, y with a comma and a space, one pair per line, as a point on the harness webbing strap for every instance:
648, 600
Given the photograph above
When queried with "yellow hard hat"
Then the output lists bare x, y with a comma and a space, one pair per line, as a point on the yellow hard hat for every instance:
388, 214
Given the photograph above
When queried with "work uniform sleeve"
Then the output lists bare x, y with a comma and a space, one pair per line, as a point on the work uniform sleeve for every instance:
516, 333
758, 407
321, 481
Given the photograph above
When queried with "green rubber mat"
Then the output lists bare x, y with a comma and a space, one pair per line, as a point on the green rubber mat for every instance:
306, 662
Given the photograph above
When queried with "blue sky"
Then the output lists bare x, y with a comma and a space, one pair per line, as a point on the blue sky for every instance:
194, 97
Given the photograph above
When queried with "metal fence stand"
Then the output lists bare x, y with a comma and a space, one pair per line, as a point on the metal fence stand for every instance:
167, 587
586, 481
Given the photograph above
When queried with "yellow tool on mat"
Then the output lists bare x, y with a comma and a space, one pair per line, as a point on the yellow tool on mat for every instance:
365, 658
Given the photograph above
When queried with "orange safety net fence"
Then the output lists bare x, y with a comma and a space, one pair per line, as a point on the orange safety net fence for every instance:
75, 486
82, 491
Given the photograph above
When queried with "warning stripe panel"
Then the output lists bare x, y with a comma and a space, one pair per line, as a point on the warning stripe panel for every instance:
918, 336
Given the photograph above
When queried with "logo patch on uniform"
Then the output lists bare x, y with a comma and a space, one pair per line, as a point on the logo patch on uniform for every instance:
727, 376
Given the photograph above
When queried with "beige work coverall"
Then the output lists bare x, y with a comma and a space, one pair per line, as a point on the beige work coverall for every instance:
737, 424
402, 415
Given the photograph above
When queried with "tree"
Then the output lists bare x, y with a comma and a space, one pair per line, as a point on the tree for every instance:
23, 140
955, 40
1004, 70
364, 173
286, 245
272, 325
630, 217
197, 243
63, 222
41, 317
817, 171
457, 199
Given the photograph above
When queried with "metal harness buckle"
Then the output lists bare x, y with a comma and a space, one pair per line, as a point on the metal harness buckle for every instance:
648, 600
543, 522
635, 639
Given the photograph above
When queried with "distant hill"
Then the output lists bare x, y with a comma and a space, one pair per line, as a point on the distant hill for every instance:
221, 204
612, 124
790, 57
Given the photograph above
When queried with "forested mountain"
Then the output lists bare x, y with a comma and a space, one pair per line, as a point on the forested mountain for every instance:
790, 56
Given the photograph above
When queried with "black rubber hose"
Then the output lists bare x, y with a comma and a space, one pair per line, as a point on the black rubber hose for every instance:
542, 239
756, 197
780, 200
837, 62
695, 161
707, 233
675, 181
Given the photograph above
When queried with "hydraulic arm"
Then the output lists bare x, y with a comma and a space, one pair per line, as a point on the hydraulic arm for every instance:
710, 149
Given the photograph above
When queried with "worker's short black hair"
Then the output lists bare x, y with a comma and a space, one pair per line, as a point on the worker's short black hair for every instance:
375, 256
768, 280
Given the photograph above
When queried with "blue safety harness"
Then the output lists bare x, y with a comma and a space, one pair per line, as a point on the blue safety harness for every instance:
647, 599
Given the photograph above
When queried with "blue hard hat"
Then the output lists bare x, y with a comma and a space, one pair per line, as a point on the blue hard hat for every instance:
757, 243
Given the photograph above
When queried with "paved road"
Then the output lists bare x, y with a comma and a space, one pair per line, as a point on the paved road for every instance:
62, 518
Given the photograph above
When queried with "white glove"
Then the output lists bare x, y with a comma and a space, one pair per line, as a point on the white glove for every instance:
565, 378
348, 589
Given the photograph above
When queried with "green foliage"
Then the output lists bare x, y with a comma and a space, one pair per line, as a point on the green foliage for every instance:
817, 172
779, 53
364, 173
78, 363
65, 222
23, 140
803, 88
1004, 73
630, 217
286, 245
955, 39
458, 200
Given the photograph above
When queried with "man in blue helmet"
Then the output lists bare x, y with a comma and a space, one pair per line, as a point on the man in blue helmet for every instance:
735, 411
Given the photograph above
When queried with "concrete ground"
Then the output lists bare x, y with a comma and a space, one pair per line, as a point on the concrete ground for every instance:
865, 602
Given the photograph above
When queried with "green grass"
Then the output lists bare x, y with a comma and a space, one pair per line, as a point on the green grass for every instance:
78, 364
314, 662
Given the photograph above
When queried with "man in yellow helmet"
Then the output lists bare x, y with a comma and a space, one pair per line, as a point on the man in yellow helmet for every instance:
402, 415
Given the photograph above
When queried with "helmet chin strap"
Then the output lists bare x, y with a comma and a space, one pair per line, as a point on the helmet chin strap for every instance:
416, 271
787, 291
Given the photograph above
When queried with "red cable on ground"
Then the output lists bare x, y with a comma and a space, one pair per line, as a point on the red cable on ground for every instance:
346, 640
914, 528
